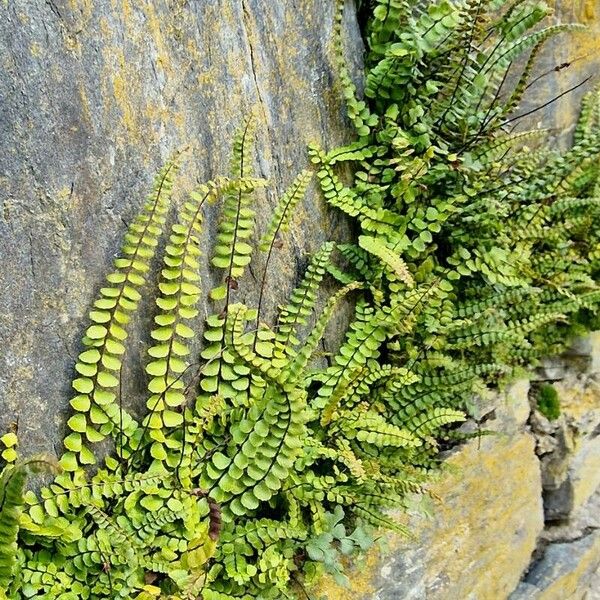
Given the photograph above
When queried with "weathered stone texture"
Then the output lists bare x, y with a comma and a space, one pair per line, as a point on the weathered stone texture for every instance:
564, 573
569, 447
568, 564
95, 95
564, 63
482, 532
486, 539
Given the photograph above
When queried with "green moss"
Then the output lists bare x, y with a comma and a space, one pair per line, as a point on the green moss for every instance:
548, 402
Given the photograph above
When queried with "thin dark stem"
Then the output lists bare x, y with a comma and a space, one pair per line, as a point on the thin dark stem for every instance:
534, 110
266, 269
556, 69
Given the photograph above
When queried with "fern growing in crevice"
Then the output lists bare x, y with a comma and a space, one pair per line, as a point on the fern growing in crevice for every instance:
233, 472
258, 463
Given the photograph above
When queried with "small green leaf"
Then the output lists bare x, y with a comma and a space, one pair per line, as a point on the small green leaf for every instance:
172, 418
221, 461
157, 368
9, 455
184, 331
110, 362
37, 514
262, 491
96, 332
218, 293
68, 461
249, 500
100, 316
90, 356
83, 385
103, 397
174, 398
152, 503
86, 456
77, 422
9, 439
107, 380
73, 442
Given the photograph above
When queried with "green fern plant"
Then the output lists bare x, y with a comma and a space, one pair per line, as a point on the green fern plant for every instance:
226, 487
261, 461
445, 195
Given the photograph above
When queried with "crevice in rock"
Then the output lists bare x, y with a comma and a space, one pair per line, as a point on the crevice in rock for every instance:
247, 28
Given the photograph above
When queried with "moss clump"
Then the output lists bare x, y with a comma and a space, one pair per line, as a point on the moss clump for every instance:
548, 402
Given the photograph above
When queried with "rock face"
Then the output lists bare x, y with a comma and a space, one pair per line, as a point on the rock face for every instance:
569, 447
473, 548
569, 561
483, 530
564, 63
95, 96
565, 572
519, 510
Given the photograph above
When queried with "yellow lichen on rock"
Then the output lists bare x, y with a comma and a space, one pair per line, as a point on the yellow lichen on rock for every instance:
479, 540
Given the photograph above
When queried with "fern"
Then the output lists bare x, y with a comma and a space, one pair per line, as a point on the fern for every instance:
267, 459
99, 411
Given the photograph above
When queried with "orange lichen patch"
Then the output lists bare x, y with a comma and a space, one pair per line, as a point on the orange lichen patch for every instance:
484, 484
85, 103
581, 10
126, 9
105, 29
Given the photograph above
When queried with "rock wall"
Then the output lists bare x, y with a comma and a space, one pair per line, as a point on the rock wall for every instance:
565, 62
95, 95
518, 515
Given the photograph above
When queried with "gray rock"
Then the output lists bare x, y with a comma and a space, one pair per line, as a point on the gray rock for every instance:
582, 478
582, 521
474, 544
95, 96
564, 63
565, 571
525, 591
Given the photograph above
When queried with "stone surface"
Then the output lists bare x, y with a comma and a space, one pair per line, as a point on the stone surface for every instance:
581, 523
566, 563
565, 573
94, 97
486, 539
565, 62
513, 406
569, 447
480, 537
582, 479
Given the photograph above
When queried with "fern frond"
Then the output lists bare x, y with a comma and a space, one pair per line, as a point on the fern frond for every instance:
358, 111
180, 293
232, 252
98, 409
296, 367
282, 214
301, 303
395, 265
